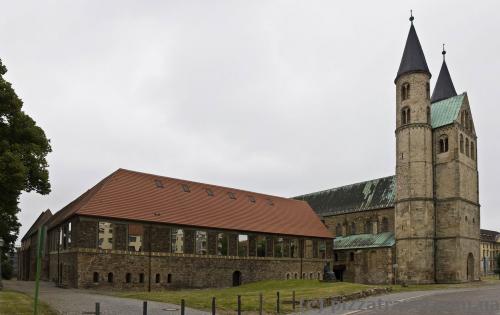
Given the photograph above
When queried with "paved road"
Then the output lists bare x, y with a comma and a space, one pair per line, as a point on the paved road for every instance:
475, 301
73, 301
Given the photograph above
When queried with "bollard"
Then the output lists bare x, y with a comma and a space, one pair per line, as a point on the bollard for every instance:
213, 305
260, 303
278, 302
293, 300
145, 308
97, 308
183, 307
239, 304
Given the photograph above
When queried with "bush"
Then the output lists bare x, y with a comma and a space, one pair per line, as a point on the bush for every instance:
7, 270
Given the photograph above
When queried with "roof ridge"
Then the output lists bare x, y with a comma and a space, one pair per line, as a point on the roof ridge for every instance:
445, 99
229, 189
344, 186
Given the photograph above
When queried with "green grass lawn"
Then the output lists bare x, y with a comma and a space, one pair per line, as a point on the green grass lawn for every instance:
226, 299
15, 303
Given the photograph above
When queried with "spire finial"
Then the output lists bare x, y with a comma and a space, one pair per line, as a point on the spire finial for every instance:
411, 16
444, 53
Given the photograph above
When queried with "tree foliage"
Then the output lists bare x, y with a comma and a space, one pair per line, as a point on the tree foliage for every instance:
23, 165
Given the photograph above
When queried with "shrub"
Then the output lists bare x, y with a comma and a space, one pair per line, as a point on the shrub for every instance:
7, 270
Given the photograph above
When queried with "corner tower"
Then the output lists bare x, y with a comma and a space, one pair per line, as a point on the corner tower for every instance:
414, 204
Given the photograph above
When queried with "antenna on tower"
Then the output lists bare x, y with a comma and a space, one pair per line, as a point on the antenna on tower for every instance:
444, 52
411, 16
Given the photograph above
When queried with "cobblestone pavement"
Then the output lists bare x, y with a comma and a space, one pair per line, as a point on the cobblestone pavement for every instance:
478, 301
78, 302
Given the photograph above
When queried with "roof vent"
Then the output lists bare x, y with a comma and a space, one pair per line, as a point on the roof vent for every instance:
251, 199
270, 202
209, 192
231, 195
159, 183
156, 214
185, 188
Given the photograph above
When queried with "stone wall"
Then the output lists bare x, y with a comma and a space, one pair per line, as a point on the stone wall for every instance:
375, 217
186, 271
76, 265
369, 266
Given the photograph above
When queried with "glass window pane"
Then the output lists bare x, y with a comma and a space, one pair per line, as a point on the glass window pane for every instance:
308, 249
261, 246
201, 242
105, 235
243, 245
294, 248
135, 237
322, 249
278, 247
177, 240
222, 244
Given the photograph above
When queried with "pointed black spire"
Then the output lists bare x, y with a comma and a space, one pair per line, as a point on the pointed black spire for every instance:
444, 86
413, 56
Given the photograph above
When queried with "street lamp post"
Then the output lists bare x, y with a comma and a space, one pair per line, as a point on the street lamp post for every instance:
1, 245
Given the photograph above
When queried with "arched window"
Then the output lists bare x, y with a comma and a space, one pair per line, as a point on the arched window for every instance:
96, 277
351, 256
467, 146
472, 150
338, 230
110, 277
385, 225
353, 228
405, 91
141, 278
128, 278
368, 227
428, 90
157, 278
461, 143
287, 276
405, 115
169, 278
443, 144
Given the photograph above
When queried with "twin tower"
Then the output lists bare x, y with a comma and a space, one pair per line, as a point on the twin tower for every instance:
437, 212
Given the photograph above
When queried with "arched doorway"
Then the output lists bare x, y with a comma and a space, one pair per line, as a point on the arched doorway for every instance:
470, 267
236, 278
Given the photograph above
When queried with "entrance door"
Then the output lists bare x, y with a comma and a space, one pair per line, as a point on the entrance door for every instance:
470, 267
236, 278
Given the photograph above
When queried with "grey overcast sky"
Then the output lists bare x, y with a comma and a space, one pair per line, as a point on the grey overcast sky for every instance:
280, 97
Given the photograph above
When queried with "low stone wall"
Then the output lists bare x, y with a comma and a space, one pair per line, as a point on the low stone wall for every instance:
316, 303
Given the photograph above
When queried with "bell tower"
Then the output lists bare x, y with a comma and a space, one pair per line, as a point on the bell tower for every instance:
414, 204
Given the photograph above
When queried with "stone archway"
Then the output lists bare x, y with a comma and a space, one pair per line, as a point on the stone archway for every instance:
470, 267
236, 278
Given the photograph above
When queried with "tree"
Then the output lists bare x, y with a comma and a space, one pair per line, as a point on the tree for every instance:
23, 167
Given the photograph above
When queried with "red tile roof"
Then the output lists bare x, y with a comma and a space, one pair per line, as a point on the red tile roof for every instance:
131, 195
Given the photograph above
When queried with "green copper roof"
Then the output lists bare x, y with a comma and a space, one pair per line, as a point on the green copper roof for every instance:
446, 111
372, 194
364, 241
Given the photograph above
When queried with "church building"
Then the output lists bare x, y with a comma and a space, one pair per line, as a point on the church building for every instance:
143, 231
421, 225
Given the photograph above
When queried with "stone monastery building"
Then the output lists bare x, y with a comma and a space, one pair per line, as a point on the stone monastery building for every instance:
136, 230
421, 225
